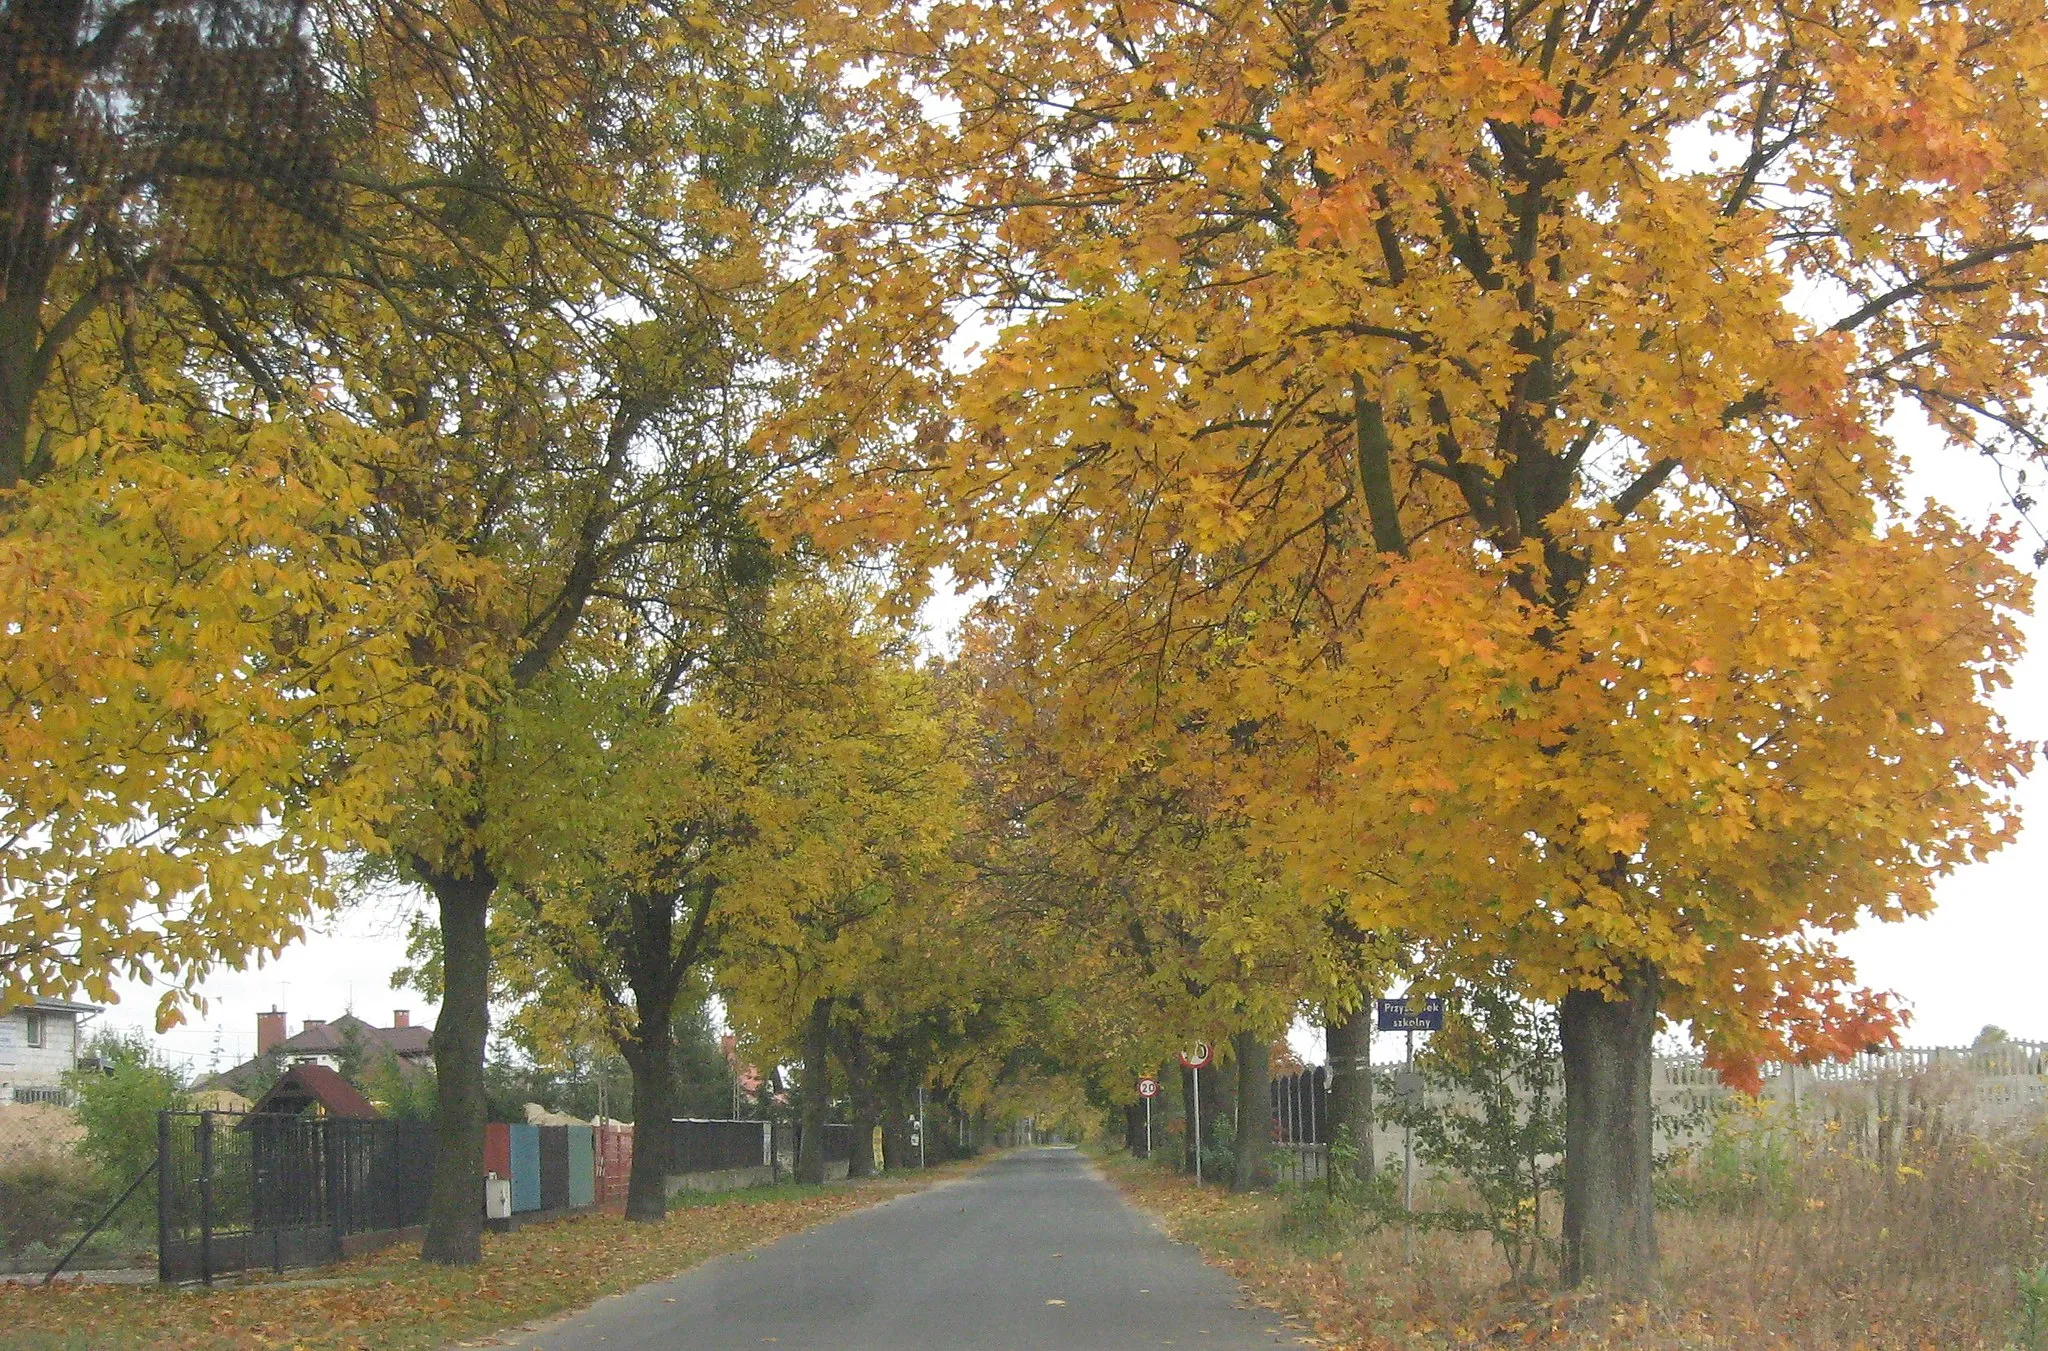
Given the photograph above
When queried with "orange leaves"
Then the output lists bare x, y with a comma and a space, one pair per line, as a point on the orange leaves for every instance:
1493, 85
1655, 667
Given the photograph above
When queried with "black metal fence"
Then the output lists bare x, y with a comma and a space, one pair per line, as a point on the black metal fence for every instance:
838, 1141
1301, 1125
1301, 1107
699, 1146
237, 1191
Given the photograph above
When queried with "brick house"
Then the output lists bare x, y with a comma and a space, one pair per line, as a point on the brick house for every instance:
321, 1042
39, 1045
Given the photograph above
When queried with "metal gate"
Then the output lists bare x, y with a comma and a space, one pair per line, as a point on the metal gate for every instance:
237, 1190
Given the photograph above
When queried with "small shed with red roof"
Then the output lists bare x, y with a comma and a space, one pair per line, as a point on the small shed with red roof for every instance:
315, 1090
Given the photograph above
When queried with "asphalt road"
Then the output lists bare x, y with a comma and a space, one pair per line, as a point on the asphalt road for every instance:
1032, 1251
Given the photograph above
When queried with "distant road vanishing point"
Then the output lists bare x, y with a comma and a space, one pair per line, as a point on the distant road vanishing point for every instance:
1034, 1252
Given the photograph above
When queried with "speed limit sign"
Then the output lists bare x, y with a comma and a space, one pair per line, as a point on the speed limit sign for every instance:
1197, 1056
1148, 1087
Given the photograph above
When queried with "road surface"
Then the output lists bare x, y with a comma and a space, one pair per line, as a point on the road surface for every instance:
1033, 1252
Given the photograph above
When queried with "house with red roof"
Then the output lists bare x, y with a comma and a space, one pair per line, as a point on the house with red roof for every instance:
324, 1043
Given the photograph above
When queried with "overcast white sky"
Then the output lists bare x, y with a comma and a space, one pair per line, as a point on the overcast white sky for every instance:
1976, 960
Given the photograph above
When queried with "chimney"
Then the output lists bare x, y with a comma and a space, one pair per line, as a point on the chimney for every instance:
269, 1030
401, 1017
312, 1023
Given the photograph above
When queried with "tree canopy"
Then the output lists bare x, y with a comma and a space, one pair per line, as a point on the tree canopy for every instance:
1435, 477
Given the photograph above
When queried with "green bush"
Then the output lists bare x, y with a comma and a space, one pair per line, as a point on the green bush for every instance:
1219, 1151
120, 1086
401, 1091
1343, 1205
1219, 1163
2033, 1314
1496, 1122
1745, 1166
45, 1203
1318, 1219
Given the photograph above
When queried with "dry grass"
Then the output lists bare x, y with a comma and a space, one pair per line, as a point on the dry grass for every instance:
34, 1131
1829, 1238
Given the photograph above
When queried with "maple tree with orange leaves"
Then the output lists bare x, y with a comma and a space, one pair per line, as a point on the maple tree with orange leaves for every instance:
1482, 411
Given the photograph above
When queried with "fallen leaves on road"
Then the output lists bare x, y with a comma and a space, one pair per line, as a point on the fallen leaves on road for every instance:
388, 1301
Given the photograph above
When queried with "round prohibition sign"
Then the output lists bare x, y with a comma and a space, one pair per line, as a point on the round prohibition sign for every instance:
1197, 1056
1148, 1087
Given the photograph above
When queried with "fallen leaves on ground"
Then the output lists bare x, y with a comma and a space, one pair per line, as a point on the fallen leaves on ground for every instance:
388, 1301
1361, 1298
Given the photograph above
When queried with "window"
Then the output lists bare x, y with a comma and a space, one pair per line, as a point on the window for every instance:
37, 1036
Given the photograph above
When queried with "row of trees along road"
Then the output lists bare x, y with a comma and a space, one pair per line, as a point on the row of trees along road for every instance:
1453, 441
1433, 468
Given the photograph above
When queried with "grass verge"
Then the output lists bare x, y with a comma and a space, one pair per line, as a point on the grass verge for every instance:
1343, 1280
389, 1301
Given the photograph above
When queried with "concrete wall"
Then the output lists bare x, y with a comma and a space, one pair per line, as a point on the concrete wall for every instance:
1975, 1087
26, 1066
732, 1179
723, 1180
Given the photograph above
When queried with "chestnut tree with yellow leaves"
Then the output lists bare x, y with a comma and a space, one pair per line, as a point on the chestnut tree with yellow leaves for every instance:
1118, 840
1493, 402
679, 794
202, 649
353, 351
852, 936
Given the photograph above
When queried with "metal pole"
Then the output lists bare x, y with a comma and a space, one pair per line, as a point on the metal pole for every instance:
1197, 1114
98, 1224
920, 1125
206, 1198
1408, 1168
163, 1197
1148, 1128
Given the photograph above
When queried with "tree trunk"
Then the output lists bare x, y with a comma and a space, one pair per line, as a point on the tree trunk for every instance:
40, 118
897, 1152
651, 1057
1254, 1112
1610, 1234
455, 1203
867, 1107
1348, 1043
810, 1151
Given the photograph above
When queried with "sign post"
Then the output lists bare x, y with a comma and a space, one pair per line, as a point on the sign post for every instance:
1194, 1058
1410, 1014
1148, 1089
1408, 1170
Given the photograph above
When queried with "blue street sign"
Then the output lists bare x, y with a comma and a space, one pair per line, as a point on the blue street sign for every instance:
1411, 1015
